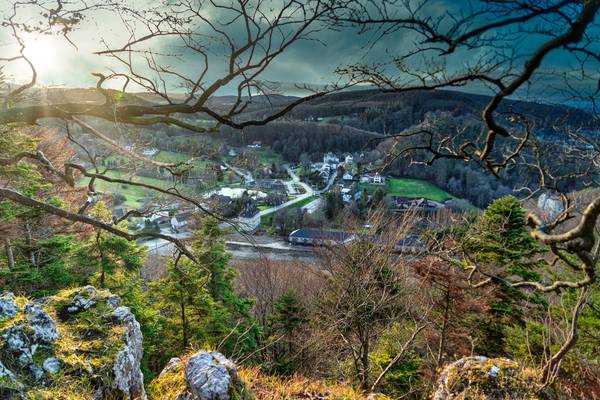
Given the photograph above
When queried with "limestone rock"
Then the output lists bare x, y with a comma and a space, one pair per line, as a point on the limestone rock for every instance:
210, 375
201, 376
43, 326
51, 365
8, 308
171, 366
85, 334
551, 204
487, 379
128, 377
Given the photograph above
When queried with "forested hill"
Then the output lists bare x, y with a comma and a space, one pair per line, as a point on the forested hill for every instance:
294, 138
369, 110
376, 111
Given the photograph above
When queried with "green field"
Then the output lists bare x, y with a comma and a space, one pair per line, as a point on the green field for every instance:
304, 202
134, 195
413, 188
171, 157
163, 156
266, 156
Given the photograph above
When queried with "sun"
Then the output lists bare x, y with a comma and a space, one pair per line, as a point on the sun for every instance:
42, 51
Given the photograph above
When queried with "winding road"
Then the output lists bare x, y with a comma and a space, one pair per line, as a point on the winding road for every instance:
308, 192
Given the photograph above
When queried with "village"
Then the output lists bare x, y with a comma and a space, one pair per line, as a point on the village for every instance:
257, 194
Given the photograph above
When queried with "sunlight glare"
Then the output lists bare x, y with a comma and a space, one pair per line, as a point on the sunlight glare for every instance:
42, 51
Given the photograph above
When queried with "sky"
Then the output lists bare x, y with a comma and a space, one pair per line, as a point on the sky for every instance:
314, 62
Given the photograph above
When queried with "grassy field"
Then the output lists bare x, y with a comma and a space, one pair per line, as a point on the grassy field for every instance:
134, 195
413, 188
304, 202
162, 156
171, 157
266, 156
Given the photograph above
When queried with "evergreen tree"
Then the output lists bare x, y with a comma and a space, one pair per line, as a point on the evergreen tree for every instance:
200, 296
499, 243
112, 257
334, 203
377, 198
288, 316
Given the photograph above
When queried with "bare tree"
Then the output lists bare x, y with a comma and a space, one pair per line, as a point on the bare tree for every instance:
478, 47
366, 291
223, 45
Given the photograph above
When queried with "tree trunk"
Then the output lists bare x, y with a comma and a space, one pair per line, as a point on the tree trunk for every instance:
443, 332
553, 364
9, 254
29, 242
183, 322
365, 360
102, 261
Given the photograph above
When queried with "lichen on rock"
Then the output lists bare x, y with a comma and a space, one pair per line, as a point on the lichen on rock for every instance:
78, 344
485, 378
8, 307
205, 375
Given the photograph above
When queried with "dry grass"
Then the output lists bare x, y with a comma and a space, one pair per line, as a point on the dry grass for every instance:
296, 388
170, 384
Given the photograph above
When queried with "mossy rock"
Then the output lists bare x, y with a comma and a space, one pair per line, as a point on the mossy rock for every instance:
482, 378
200, 376
78, 344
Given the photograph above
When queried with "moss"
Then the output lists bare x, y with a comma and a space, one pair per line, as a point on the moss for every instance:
492, 378
7, 322
87, 347
168, 385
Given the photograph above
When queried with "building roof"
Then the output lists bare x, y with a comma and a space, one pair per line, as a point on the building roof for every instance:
318, 234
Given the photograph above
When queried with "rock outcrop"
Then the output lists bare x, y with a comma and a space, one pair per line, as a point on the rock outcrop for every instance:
80, 343
201, 376
487, 379
551, 204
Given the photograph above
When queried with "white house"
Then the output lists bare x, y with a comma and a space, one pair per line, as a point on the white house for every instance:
150, 152
375, 179
178, 223
249, 219
346, 195
347, 176
255, 145
378, 179
330, 158
232, 153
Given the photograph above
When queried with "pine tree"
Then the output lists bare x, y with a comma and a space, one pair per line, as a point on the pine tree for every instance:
288, 316
201, 297
500, 243
111, 256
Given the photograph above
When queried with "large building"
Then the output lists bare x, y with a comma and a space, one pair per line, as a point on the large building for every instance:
249, 219
318, 237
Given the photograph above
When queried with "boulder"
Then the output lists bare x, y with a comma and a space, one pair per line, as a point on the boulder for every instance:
128, 377
80, 341
485, 378
551, 204
210, 376
8, 307
205, 375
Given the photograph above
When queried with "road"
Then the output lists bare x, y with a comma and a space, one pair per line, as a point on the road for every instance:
247, 176
308, 192
154, 245
245, 247
329, 184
